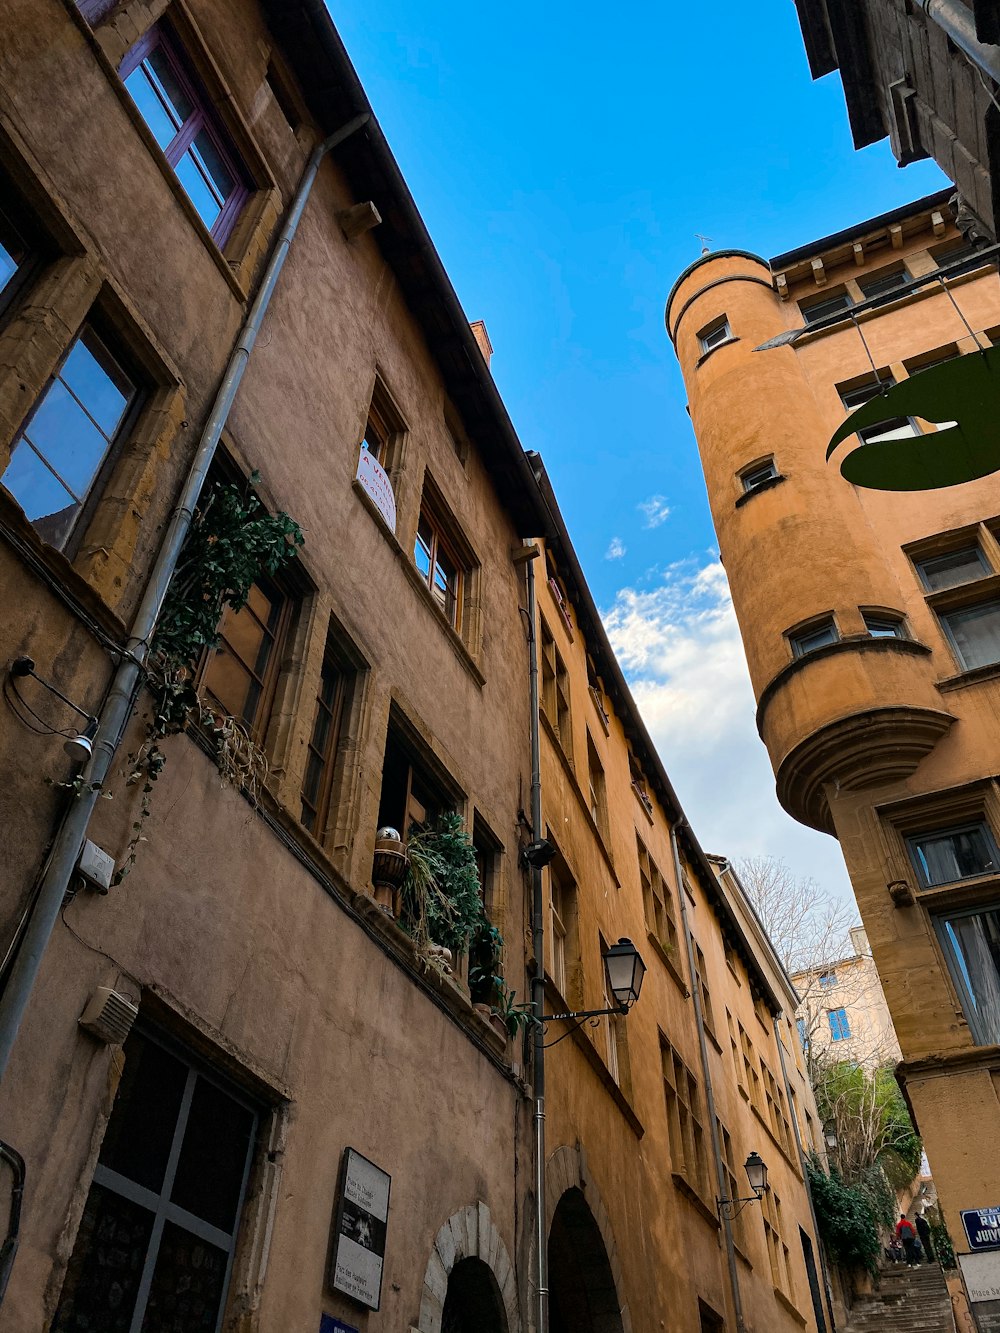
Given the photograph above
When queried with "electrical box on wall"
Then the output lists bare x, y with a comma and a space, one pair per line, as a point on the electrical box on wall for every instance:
96, 866
109, 1016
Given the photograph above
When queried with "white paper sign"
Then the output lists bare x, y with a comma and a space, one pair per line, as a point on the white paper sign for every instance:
982, 1275
362, 1215
376, 485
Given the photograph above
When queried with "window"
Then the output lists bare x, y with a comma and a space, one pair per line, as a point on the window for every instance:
597, 797
684, 1125
700, 973
440, 566
384, 429
878, 284
159, 1228
558, 592
971, 942
883, 627
638, 781
758, 475
323, 741
948, 571
563, 932
59, 454
94, 10
956, 252
777, 1250
183, 122
555, 691
732, 1183
953, 854
715, 335
974, 632
816, 636
735, 1051
597, 695
240, 673
413, 792
840, 1028
800, 1024
19, 246
893, 428
827, 980
482, 959
775, 1101
825, 307
658, 903
751, 1078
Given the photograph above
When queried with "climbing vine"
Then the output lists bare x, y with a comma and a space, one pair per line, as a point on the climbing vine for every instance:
232, 542
848, 1221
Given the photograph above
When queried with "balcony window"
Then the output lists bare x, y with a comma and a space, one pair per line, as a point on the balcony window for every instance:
184, 123
816, 636
953, 854
948, 571
974, 632
893, 428
56, 460
715, 335
971, 942
825, 307
758, 475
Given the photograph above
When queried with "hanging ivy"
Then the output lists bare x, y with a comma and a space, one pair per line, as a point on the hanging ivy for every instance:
232, 543
847, 1218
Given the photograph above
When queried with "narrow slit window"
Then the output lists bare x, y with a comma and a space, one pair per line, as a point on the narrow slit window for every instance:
715, 335
758, 475
323, 742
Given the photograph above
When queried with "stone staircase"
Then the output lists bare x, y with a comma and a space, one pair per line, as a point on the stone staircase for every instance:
909, 1300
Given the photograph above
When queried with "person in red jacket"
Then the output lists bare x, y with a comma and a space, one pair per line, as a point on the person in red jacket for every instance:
906, 1232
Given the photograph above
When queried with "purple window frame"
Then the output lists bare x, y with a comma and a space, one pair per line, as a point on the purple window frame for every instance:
202, 118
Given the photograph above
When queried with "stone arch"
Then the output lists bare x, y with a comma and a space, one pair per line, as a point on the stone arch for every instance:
566, 1170
468, 1234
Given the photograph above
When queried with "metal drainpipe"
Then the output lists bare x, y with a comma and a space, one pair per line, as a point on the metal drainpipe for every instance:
538, 980
805, 1176
960, 25
127, 678
720, 1169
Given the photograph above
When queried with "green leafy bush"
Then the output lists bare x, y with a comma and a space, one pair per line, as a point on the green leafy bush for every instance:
847, 1219
442, 898
944, 1251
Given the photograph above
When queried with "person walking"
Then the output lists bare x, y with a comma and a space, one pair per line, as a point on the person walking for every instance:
924, 1232
906, 1233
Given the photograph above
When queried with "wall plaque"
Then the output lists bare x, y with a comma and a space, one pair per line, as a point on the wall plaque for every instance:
374, 481
982, 1276
982, 1227
360, 1230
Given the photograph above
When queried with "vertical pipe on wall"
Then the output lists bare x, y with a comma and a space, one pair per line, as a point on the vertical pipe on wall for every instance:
699, 1018
538, 980
128, 675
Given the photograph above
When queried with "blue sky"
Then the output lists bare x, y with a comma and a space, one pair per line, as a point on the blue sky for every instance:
564, 158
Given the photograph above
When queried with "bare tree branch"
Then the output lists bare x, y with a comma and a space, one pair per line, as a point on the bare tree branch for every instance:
807, 925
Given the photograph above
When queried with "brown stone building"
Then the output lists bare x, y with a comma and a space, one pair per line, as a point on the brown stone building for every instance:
187, 1175
924, 73
869, 621
653, 1115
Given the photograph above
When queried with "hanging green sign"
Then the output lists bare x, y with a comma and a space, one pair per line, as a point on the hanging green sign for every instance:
961, 396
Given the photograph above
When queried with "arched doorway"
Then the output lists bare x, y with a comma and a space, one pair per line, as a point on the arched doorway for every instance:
582, 1294
473, 1303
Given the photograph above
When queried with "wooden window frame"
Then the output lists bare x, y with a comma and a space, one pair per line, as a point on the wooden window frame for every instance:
327, 757
268, 682
442, 543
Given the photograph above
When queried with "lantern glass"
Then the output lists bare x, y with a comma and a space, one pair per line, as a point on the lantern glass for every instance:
625, 970
830, 1134
756, 1170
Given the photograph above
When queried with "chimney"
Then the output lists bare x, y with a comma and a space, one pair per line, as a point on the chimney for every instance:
482, 338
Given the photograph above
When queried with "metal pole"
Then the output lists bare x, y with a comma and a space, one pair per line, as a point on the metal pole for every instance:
538, 980
125, 683
699, 1016
959, 23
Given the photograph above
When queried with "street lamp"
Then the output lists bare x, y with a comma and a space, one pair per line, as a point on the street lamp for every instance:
624, 970
756, 1169
830, 1134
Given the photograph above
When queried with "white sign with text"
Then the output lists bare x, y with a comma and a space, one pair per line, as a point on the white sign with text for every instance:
982, 1275
362, 1217
375, 483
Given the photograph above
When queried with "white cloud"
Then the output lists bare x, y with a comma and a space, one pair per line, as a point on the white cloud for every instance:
656, 509
616, 549
680, 648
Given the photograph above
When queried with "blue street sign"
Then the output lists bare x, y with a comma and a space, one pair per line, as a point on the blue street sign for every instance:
982, 1227
328, 1324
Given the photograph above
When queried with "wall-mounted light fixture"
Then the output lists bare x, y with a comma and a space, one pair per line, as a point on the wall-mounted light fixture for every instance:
624, 971
756, 1170
78, 745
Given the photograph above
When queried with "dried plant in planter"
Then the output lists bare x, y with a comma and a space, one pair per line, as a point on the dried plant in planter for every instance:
232, 542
